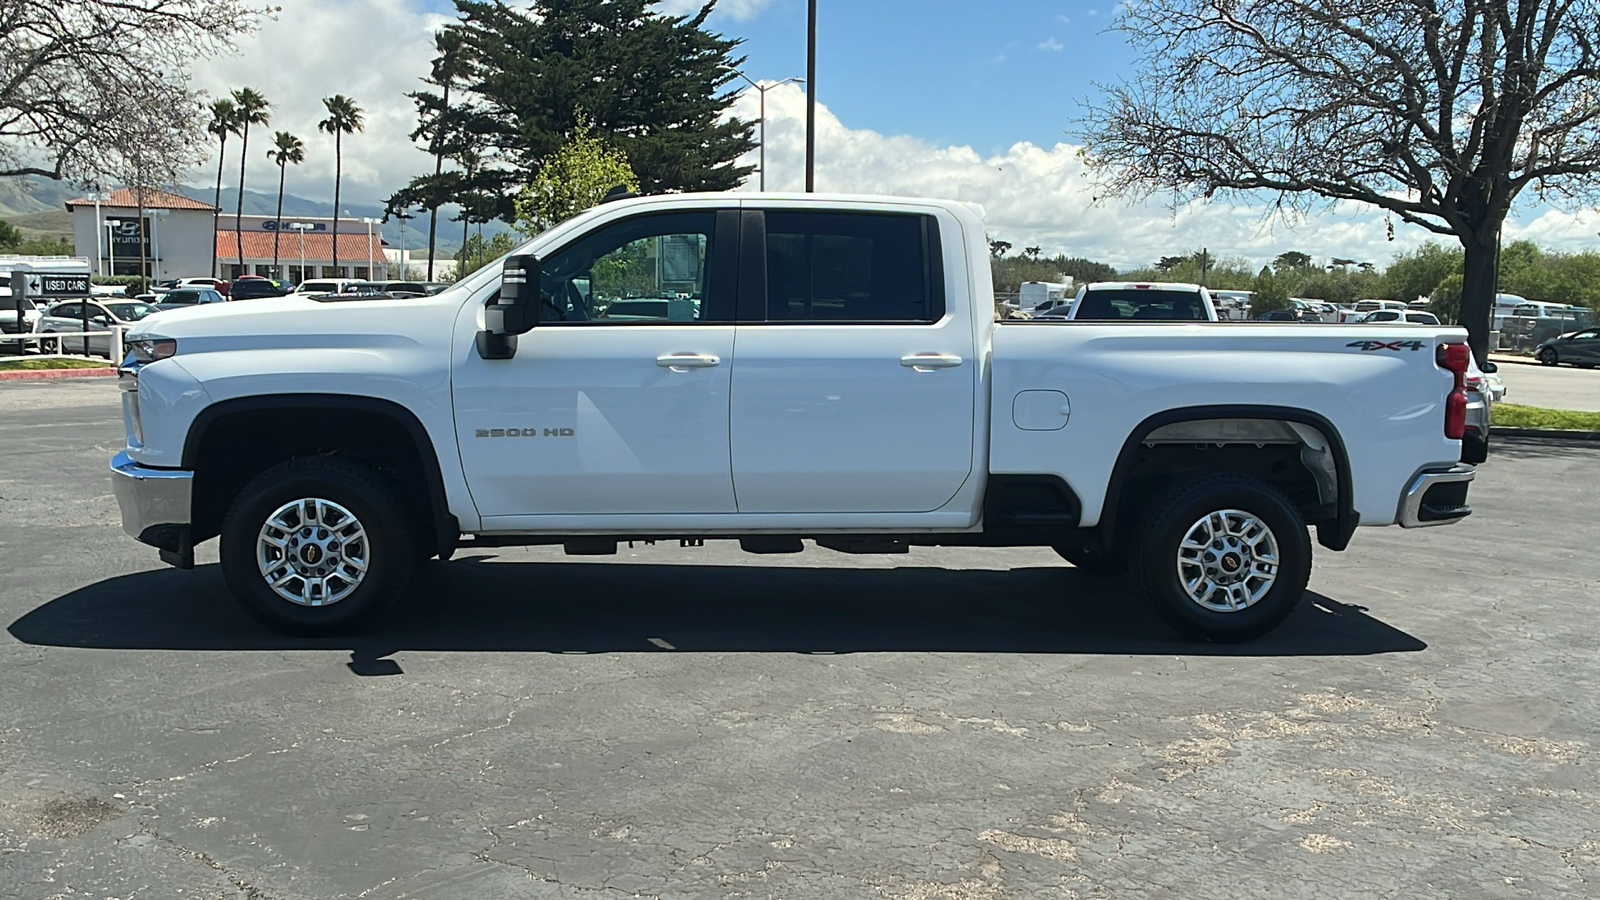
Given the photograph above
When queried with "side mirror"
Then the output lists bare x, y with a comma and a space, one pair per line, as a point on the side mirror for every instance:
1490, 368
517, 310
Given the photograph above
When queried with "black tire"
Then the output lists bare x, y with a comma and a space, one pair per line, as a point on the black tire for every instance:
1172, 516
1094, 562
384, 542
1549, 357
49, 345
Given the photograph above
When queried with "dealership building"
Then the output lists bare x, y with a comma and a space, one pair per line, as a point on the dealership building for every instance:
182, 237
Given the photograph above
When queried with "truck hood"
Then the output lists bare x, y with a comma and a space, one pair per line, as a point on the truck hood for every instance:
280, 323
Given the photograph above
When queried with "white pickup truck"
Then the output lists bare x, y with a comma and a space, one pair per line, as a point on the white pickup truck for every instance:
779, 368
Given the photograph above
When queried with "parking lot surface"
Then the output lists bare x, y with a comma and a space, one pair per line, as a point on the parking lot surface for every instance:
679, 722
1555, 387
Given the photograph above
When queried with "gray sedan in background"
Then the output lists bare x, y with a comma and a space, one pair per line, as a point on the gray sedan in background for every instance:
69, 317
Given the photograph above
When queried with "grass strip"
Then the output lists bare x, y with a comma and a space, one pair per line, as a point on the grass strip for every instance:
1513, 415
12, 365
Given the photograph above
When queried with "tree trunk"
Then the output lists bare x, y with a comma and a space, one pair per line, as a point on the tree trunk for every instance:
238, 209
222, 153
277, 223
438, 169
338, 172
1478, 288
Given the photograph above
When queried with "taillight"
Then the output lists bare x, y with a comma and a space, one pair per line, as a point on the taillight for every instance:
1455, 358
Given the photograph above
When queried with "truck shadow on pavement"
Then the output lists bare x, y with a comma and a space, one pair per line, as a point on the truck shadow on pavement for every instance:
473, 604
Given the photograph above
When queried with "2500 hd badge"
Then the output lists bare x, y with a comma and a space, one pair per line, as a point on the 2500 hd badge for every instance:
524, 432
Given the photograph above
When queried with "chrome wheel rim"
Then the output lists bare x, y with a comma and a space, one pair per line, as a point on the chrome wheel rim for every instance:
313, 552
1228, 561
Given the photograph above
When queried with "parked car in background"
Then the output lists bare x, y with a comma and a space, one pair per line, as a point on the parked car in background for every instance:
1398, 316
182, 297
1159, 301
1278, 315
216, 284
252, 287
15, 321
70, 316
1365, 306
1580, 348
324, 285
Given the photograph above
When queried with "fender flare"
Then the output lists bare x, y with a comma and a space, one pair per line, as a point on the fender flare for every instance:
1334, 534
447, 530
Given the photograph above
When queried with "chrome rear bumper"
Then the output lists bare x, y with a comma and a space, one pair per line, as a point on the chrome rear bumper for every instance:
1437, 497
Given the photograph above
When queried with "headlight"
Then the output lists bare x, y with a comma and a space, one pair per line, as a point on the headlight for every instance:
148, 350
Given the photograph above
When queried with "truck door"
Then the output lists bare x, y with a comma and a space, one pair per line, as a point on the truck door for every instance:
617, 402
853, 385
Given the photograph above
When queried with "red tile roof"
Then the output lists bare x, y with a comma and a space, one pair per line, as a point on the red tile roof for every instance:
125, 198
353, 248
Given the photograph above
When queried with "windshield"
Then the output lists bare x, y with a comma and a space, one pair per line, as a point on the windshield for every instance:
1132, 303
131, 312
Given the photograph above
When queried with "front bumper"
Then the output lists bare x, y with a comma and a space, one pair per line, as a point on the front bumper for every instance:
155, 506
1437, 497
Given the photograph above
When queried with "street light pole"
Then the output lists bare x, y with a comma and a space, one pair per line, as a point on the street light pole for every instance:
811, 95
302, 227
761, 89
111, 244
369, 221
404, 217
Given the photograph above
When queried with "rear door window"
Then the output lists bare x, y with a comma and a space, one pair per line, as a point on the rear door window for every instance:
851, 267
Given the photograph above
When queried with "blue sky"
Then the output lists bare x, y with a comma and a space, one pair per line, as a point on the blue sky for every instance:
983, 75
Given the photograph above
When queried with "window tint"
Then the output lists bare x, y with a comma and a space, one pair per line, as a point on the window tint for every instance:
68, 311
1131, 303
849, 267
646, 270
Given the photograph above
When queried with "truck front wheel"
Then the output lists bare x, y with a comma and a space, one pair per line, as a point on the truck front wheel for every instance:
1224, 558
316, 546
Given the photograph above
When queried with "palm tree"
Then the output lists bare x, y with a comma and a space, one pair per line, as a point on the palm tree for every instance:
224, 121
286, 148
252, 110
344, 117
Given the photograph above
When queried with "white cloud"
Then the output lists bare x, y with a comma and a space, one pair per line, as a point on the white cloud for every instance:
738, 10
1050, 44
1063, 20
1045, 197
373, 51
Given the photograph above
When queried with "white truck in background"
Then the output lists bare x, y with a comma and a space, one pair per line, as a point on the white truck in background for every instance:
838, 377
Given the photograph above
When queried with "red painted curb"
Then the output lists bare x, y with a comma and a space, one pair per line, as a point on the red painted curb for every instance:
36, 374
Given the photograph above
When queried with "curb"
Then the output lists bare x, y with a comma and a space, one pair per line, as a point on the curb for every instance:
39, 374
1577, 437
1515, 360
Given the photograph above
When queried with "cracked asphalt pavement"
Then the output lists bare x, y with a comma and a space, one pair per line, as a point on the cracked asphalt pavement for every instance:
696, 722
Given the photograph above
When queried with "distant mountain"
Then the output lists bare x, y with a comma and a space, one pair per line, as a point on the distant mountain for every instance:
27, 194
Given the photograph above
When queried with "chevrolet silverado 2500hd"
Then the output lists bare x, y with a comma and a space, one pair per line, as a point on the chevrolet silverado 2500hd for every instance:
778, 368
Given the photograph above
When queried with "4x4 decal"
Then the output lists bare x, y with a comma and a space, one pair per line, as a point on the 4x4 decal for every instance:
1386, 345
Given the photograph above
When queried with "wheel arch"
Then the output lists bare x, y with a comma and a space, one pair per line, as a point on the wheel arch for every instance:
1332, 532
231, 441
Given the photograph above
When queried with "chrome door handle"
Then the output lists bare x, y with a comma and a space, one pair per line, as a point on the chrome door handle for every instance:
688, 361
923, 362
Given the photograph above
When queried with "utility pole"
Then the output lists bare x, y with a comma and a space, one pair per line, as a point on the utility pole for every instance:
811, 95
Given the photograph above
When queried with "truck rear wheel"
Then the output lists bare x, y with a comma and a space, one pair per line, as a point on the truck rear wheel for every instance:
1224, 558
316, 546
